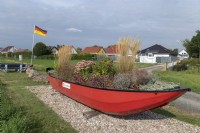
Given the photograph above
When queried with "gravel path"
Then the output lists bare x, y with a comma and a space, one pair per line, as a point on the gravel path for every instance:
72, 111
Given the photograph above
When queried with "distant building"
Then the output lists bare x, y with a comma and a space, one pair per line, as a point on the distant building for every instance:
183, 54
97, 50
22, 50
1, 49
54, 50
157, 54
9, 49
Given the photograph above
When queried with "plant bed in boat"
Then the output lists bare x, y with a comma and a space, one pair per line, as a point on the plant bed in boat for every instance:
116, 102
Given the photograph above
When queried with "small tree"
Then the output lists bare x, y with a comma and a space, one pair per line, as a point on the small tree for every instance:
79, 50
40, 49
193, 46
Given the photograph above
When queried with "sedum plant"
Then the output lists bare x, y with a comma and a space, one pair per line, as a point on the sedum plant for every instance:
122, 81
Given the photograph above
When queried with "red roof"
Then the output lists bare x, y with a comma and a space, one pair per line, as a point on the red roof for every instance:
112, 49
91, 50
6, 49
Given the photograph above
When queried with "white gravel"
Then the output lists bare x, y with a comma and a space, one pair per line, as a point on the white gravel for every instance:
72, 111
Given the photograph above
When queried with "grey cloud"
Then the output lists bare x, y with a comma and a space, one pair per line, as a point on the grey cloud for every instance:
154, 21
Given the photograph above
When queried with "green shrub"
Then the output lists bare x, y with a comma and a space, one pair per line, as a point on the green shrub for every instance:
103, 67
84, 68
83, 57
25, 54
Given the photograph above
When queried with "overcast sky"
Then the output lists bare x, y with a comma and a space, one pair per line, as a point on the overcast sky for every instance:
98, 22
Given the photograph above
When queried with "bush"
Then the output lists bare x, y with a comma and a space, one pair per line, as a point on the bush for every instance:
25, 54
122, 81
180, 67
83, 57
103, 81
140, 77
103, 67
41, 49
84, 68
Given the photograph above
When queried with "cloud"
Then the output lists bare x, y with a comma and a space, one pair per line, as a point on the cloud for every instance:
73, 30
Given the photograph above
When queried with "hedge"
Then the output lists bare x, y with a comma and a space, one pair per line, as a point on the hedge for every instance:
25, 54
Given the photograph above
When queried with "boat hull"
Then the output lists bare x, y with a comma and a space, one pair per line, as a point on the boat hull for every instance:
115, 102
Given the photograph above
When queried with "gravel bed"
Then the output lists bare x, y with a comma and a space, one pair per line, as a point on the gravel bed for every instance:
72, 111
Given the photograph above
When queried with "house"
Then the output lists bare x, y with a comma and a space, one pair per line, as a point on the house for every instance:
183, 55
112, 52
22, 50
97, 50
8, 49
54, 50
157, 54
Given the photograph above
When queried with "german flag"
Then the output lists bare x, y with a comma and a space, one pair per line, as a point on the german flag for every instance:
40, 31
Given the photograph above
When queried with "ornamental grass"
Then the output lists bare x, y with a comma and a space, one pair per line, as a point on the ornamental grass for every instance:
62, 62
127, 49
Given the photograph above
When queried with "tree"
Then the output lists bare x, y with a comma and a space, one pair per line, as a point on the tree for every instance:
40, 49
193, 46
79, 50
174, 50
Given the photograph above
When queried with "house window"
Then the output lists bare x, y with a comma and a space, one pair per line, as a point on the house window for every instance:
150, 54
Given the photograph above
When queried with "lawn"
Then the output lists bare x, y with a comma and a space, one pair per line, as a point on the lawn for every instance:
185, 79
22, 111
42, 64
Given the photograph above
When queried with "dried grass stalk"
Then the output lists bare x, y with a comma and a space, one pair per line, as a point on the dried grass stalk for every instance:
62, 62
127, 49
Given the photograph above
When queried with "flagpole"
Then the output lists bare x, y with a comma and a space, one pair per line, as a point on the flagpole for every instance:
32, 46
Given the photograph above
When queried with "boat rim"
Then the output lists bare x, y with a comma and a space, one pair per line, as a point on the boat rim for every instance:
109, 89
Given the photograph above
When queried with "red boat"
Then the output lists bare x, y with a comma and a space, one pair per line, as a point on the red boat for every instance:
116, 102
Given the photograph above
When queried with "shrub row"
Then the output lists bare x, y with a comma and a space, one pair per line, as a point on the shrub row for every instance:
25, 54
74, 57
186, 64
84, 57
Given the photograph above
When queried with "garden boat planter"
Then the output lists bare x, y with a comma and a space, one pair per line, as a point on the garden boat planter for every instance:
116, 102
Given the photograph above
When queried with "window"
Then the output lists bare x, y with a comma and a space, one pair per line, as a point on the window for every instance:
150, 54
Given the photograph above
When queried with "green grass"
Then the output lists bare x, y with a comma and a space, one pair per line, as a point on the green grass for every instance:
37, 117
174, 112
142, 65
185, 79
39, 64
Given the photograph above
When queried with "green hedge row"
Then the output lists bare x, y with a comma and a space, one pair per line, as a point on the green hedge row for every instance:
74, 57
26, 55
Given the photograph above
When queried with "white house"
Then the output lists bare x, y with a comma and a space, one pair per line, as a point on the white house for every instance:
9, 49
183, 54
54, 50
157, 54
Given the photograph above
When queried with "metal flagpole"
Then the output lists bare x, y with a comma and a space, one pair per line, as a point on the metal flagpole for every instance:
32, 46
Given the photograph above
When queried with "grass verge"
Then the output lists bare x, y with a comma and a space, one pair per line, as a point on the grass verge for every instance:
185, 79
174, 112
23, 112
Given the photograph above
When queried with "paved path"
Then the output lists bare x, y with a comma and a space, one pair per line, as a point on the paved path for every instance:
189, 102
159, 67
